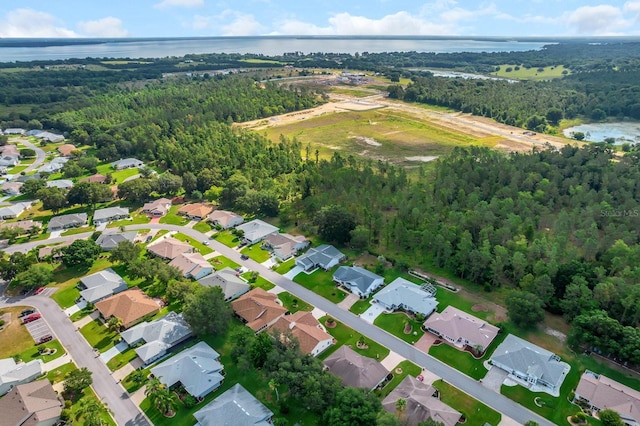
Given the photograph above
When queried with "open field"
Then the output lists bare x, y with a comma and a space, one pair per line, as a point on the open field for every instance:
15, 337
533, 73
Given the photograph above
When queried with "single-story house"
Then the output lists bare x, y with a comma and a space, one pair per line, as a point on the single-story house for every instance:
54, 251
358, 280
54, 165
421, 403
131, 306
109, 241
31, 404
110, 214
311, 336
235, 406
461, 329
197, 369
285, 246
97, 178
67, 221
14, 210
403, 294
14, 131
102, 284
12, 188
355, 370
3, 170
256, 230
157, 208
229, 281
13, 374
60, 183
22, 225
157, 336
258, 309
127, 163
600, 392
324, 256
195, 211
50, 137
67, 149
9, 160
192, 265
530, 365
9, 149
169, 248
225, 219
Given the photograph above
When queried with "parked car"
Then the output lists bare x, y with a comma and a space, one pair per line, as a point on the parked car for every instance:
206, 243
244, 257
149, 238
31, 318
27, 312
45, 339
39, 290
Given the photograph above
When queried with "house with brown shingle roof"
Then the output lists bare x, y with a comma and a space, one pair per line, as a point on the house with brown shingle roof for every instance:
258, 309
31, 404
355, 370
225, 219
601, 392
169, 248
22, 225
192, 265
67, 149
131, 306
461, 329
195, 211
421, 404
157, 208
97, 178
285, 246
313, 339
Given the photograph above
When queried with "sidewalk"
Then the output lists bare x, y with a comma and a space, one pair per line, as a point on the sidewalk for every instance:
86, 320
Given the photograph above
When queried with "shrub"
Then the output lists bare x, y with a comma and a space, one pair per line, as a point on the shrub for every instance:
189, 401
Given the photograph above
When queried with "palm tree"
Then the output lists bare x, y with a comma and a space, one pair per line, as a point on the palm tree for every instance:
401, 405
273, 385
138, 377
89, 410
153, 386
164, 400
114, 324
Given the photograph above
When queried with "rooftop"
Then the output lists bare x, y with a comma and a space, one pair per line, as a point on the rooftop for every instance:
258, 308
355, 370
158, 335
130, 306
457, 324
235, 407
404, 293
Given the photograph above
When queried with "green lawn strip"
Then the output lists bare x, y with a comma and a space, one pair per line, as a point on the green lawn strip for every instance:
256, 253
203, 227
117, 176
460, 360
361, 306
346, 336
321, 282
121, 359
81, 314
74, 231
172, 217
227, 238
259, 282
395, 324
448, 298
136, 219
201, 248
27, 238
58, 374
294, 304
98, 335
16, 170
129, 385
408, 369
285, 267
475, 412
220, 262
33, 352
104, 415
66, 297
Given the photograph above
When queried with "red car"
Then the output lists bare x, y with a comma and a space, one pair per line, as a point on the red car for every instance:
39, 290
45, 339
31, 318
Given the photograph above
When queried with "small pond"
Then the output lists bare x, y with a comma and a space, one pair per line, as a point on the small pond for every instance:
622, 132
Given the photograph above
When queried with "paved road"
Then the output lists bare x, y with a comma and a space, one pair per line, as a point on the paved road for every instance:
25, 247
449, 374
125, 412
40, 155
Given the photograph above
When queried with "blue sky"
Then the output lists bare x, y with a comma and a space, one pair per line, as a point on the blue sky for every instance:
182, 18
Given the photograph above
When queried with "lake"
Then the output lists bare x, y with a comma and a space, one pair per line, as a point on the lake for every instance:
622, 132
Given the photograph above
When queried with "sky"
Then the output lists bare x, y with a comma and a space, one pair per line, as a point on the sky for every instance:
194, 18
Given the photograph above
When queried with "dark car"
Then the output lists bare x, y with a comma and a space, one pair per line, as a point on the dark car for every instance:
244, 257
45, 339
27, 312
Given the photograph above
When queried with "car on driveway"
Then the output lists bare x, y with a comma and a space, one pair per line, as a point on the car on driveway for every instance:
31, 318
39, 290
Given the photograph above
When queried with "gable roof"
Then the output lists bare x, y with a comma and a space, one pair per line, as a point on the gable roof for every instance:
12, 186
196, 209
197, 368
190, 264
110, 241
256, 229
401, 292
421, 404
130, 306
235, 407
356, 276
60, 183
258, 308
102, 284
169, 248
30, 404
159, 335
66, 149
224, 218
97, 178
110, 212
14, 210
355, 370
126, 162
320, 256
161, 205
603, 392
305, 328
228, 280
68, 220
286, 245
10, 372
457, 324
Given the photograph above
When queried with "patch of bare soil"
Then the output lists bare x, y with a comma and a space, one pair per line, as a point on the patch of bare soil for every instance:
479, 308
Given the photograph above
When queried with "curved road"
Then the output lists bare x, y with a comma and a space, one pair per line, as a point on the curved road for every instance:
40, 155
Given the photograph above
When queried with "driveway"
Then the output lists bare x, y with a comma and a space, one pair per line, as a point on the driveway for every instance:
76, 308
117, 349
494, 379
348, 302
372, 313
293, 272
426, 341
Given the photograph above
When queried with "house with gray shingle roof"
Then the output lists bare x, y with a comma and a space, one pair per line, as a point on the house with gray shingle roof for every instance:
67, 221
324, 256
159, 336
109, 241
110, 214
229, 281
358, 280
256, 230
235, 407
60, 183
403, 294
14, 210
101, 284
127, 163
54, 165
13, 374
356, 370
31, 404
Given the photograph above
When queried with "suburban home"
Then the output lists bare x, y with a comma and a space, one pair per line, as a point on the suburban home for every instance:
13, 374
461, 329
258, 309
22, 225
31, 404
236, 406
229, 281
131, 307
404, 295
155, 338
50, 137
97, 178
169, 248
421, 403
225, 219
311, 336
9, 149
256, 230
192, 265
3, 170
54, 251
358, 280
127, 163
195, 211
323, 256
530, 365
9, 160
54, 165
109, 241
110, 214
12, 188
157, 208
60, 183
66, 221
600, 392
284, 246
14, 210
355, 370
197, 369
14, 131
102, 284
67, 149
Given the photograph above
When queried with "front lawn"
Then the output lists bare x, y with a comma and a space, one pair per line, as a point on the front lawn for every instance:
321, 282
259, 282
475, 412
201, 248
66, 297
285, 267
221, 262
121, 359
172, 217
74, 231
227, 238
361, 306
256, 253
136, 219
34, 352
98, 336
81, 313
203, 227
58, 374
347, 336
408, 369
395, 324
89, 394
294, 304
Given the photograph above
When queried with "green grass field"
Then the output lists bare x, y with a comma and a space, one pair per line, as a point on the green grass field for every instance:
98, 335
34, 353
121, 359
256, 252
321, 282
227, 238
347, 336
172, 217
220, 262
285, 267
201, 248
395, 324
546, 73
475, 412
260, 282
294, 304
58, 374
203, 227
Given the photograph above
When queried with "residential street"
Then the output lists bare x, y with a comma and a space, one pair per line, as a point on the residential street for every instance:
40, 155
25, 247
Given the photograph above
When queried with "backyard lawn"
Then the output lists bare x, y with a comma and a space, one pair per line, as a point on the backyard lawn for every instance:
475, 412
256, 253
408, 369
346, 336
396, 323
227, 238
98, 335
321, 282
294, 304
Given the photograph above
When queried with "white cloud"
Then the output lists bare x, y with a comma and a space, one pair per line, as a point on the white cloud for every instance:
632, 6
33, 23
201, 22
105, 27
597, 20
165, 4
242, 25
